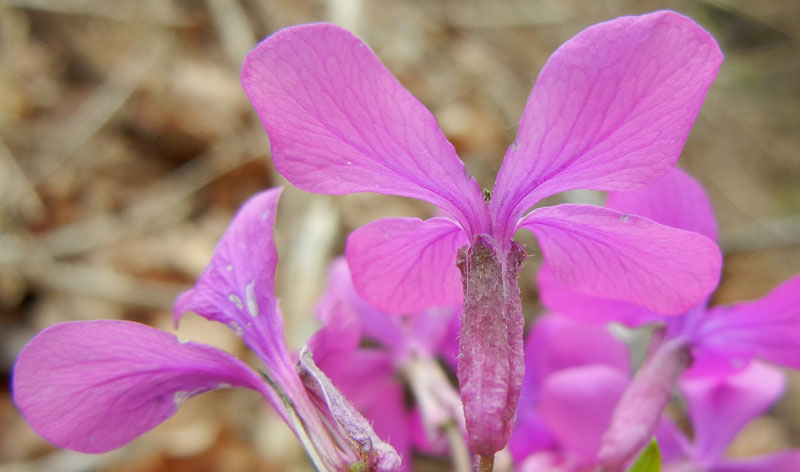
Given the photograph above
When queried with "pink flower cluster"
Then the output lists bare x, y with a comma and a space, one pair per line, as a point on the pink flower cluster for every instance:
414, 299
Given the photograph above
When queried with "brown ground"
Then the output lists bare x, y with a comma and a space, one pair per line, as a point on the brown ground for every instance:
126, 143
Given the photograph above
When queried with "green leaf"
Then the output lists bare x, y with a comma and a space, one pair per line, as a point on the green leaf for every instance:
358, 467
649, 459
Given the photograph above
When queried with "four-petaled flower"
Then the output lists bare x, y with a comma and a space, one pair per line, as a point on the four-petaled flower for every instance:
575, 374
719, 407
707, 340
610, 110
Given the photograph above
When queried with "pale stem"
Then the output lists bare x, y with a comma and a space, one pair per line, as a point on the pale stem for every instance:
440, 406
638, 412
458, 448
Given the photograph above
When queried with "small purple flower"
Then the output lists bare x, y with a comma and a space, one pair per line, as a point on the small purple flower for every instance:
400, 350
719, 407
575, 374
610, 110
95, 386
706, 340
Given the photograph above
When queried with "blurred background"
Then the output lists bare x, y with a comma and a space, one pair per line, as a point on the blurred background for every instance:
126, 144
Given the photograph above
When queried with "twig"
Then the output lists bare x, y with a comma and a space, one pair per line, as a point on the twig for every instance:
505, 15
104, 283
485, 463
68, 137
764, 234
15, 185
304, 266
235, 31
347, 14
115, 11
752, 14
157, 202
69, 461
38, 267
458, 448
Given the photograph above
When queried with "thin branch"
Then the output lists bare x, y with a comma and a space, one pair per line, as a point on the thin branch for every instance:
15, 185
115, 11
234, 28
764, 234
69, 136
157, 204
69, 461
458, 448
83, 280
485, 463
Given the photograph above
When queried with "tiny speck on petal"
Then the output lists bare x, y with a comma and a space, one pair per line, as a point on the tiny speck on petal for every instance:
236, 328
180, 397
236, 300
250, 296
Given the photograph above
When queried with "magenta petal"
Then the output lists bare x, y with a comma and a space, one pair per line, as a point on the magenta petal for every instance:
547, 461
339, 337
675, 199
610, 110
339, 122
560, 299
436, 331
672, 443
577, 403
94, 386
768, 328
551, 346
784, 461
600, 252
348, 317
371, 386
531, 434
238, 286
720, 406
388, 417
404, 265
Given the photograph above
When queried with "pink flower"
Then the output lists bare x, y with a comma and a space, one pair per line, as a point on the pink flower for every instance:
707, 340
370, 355
610, 110
719, 407
575, 374
94, 386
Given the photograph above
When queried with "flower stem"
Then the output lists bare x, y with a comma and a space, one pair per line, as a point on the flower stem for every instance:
486, 463
440, 405
458, 448
638, 412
